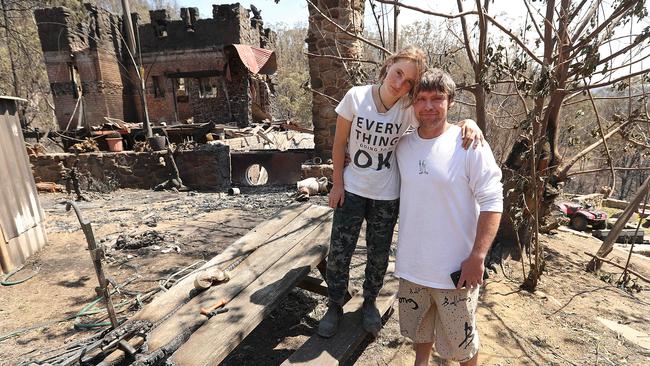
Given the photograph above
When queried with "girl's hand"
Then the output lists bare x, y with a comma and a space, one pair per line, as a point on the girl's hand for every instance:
337, 195
471, 134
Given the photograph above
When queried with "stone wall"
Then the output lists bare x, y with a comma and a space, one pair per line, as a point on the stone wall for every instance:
330, 76
207, 168
239, 92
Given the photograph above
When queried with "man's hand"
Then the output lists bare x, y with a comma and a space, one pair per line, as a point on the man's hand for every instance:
471, 134
471, 274
337, 195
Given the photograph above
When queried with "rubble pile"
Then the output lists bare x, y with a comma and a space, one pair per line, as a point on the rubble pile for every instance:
87, 145
148, 238
266, 199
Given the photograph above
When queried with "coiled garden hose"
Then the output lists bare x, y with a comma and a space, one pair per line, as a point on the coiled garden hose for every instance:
6, 282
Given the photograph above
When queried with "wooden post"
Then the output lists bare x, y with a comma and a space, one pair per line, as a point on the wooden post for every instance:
608, 243
96, 254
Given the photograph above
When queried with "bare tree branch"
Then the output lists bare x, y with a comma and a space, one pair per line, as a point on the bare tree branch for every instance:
453, 16
467, 44
568, 103
623, 50
605, 169
564, 169
620, 11
600, 85
602, 134
340, 58
374, 15
586, 20
424, 11
635, 142
532, 19
332, 99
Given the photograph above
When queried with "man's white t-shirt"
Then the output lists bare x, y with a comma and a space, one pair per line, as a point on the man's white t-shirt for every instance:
372, 172
443, 190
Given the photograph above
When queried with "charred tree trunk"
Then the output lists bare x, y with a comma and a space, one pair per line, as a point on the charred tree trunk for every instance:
481, 109
531, 182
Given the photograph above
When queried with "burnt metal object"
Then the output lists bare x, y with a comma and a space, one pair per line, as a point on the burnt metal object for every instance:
96, 254
282, 167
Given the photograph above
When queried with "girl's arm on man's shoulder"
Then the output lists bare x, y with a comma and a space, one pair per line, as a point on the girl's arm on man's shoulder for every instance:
470, 133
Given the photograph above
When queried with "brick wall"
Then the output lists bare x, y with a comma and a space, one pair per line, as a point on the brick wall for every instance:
204, 169
97, 52
164, 64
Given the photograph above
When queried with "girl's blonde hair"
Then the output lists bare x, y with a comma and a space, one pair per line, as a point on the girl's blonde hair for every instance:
410, 53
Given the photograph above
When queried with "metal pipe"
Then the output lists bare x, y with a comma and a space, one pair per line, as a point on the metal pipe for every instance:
130, 40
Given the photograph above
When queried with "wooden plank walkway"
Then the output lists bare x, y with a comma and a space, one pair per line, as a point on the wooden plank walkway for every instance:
175, 314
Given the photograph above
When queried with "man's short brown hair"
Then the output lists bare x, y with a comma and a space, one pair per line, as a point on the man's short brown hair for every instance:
438, 81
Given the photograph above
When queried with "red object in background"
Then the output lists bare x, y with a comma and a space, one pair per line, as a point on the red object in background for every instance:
114, 144
581, 217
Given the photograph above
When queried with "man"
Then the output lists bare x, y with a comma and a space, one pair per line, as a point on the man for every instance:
450, 206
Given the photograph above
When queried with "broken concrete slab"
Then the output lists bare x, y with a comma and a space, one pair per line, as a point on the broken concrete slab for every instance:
626, 236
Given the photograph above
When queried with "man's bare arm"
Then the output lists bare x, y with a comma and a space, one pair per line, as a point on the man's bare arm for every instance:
473, 267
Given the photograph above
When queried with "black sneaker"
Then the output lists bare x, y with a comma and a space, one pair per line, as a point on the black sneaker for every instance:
371, 317
329, 324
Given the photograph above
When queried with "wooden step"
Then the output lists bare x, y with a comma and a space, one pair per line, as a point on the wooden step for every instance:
332, 351
164, 305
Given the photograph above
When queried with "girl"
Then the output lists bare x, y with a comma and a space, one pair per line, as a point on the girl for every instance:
371, 120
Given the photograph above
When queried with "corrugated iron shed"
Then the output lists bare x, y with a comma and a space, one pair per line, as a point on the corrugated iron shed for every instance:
21, 216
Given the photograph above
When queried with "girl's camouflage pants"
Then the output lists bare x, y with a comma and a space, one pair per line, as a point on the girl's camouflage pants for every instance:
380, 217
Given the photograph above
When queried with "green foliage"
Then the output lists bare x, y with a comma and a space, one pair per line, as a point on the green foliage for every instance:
20, 50
293, 99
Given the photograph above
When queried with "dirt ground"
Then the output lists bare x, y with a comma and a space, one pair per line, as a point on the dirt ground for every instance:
575, 318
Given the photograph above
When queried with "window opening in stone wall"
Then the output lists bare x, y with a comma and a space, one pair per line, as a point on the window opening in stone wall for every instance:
208, 87
158, 88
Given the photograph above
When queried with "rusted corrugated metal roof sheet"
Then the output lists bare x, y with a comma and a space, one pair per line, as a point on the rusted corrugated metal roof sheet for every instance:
257, 60
20, 210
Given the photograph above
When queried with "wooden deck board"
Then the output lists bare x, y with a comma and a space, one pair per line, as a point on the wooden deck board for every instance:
168, 301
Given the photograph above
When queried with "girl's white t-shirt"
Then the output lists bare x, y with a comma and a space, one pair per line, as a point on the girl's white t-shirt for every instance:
372, 172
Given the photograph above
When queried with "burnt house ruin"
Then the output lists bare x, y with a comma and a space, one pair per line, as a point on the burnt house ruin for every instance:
218, 69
